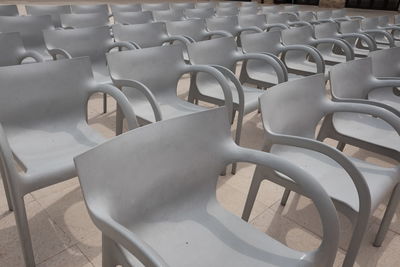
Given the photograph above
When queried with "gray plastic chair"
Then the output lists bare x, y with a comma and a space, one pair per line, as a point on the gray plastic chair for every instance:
184, 5
271, 9
248, 10
354, 82
305, 36
255, 20
194, 29
331, 30
308, 16
386, 63
340, 14
373, 23
153, 93
384, 21
290, 114
261, 74
90, 8
12, 50
147, 35
132, 7
139, 17
224, 4
184, 224
30, 29
207, 5
155, 6
9, 10
91, 42
223, 54
53, 10
169, 15
286, 19
47, 129
291, 9
199, 13
76, 21
252, 3
226, 11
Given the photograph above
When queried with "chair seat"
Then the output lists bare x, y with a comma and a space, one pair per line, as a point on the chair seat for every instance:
334, 58
361, 52
336, 181
101, 75
211, 236
305, 66
386, 96
366, 128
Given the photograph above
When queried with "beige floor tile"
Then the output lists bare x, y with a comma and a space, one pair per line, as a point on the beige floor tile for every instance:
71, 257
91, 248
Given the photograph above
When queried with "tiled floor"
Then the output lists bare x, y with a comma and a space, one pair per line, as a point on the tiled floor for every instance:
63, 234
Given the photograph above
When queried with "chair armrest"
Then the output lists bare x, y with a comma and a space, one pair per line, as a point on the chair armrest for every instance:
369, 102
59, 51
274, 61
220, 33
30, 54
221, 79
312, 51
299, 23
387, 35
180, 38
366, 38
386, 82
249, 29
145, 91
357, 17
348, 50
391, 28
127, 45
276, 25
122, 102
189, 38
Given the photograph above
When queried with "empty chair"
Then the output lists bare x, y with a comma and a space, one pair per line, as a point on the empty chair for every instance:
340, 15
30, 29
139, 17
199, 13
305, 35
290, 113
146, 35
248, 10
354, 82
184, 5
374, 24
47, 129
384, 22
9, 10
91, 42
206, 4
261, 74
12, 50
259, 21
53, 10
84, 20
195, 29
226, 11
149, 78
155, 6
91, 8
308, 16
133, 7
286, 19
168, 15
184, 224
386, 63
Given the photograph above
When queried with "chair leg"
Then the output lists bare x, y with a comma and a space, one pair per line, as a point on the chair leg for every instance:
341, 146
387, 218
285, 197
23, 231
238, 133
104, 103
108, 257
6, 189
119, 124
251, 197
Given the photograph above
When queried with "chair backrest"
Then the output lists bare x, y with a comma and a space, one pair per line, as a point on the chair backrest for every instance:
248, 10
53, 10
396, 19
250, 4
9, 10
351, 79
306, 16
271, 9
199, 13
280, 18
194, 28
45, 94
228, 24
178, 5
145, 35
30, 28
259, 21
298, 35
326, 30
155, 6
338, 13
133, 7
262, 42
11, 47
291, 8
84, 20
383, 20
159, 68
294, 107
206, 5
228, 4
386, 62
84, 9
370, 23
139, 17
92, 42
324, 14
168, 15
351, 26
226, 11
138, 187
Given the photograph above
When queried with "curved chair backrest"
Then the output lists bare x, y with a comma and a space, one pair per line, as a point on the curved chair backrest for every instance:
228, 4
262, 42
351, 26
85, 9
351, 79
291, 8
84, 20
397, 19
386, 62
155, 6
30, 28
306, 16
226, 11
383, 20
370, 23
158, 68
324, 14
326, 30
250, 4
9, 10
139, 17
248, 10
281, 18
228, 24
206, 5
168, 15
298, 35
271, 9
11, 48
53, 10
259, 21
92, 42
199, 13
32, 98
194, 28
338, 13
178, 5
134, 7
